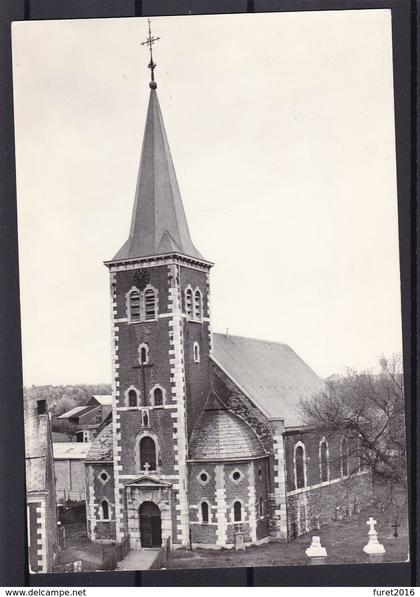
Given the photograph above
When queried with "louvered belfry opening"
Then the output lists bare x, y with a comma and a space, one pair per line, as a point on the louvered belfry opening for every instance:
150, 304
135, 305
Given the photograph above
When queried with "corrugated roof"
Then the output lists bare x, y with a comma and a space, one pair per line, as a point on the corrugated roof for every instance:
101, 449
59, 437
220, 434
272, 375
74, 411
70, 450
158, 224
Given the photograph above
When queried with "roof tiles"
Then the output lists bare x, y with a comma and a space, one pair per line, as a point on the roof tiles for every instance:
221, 435
101, 449
272, 375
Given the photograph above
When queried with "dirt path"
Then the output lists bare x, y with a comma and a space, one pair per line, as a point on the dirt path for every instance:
140, 559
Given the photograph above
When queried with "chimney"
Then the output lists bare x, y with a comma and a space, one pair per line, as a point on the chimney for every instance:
41, 407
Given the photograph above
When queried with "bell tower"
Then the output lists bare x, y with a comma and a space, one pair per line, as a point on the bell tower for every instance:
161, 342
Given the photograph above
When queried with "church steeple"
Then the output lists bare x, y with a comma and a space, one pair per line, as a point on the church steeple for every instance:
158, 224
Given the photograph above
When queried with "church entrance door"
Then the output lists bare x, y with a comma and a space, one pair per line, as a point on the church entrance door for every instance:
150, 525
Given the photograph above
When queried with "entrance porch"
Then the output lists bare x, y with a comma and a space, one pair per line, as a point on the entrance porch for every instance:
149, 512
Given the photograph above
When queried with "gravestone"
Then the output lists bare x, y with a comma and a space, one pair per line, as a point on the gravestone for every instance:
316, 552
239, 540
373, 548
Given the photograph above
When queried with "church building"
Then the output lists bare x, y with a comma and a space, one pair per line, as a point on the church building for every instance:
206, 442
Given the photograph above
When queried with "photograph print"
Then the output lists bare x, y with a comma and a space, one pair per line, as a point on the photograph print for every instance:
210, 291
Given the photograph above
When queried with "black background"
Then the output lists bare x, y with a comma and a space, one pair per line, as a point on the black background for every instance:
13, 557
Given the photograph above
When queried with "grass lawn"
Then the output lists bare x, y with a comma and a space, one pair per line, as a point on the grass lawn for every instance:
344, 541
80, 547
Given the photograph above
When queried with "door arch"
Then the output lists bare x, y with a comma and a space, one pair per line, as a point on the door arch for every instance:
150, 525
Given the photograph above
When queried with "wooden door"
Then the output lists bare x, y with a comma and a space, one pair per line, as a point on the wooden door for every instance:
150, 525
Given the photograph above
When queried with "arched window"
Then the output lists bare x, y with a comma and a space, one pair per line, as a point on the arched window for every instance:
196, 349
157, 397
104, 510
300, 464
344, 458
145, 418
132, 397
134, 305
237, 511
143, 354
188, 302
204, 512
150, 304
198, 307
147, 454
261, 507
323, 461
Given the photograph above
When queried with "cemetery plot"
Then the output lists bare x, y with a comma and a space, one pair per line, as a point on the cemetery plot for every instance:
343, 541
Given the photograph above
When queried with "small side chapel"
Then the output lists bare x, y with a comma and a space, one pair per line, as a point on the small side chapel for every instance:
206, 442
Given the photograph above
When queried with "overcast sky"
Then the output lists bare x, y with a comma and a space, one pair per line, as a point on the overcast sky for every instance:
281, 129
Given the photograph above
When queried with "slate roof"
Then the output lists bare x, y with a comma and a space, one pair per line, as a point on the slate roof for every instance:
272, 375
221, 435
158, 224
70, 450
101, 449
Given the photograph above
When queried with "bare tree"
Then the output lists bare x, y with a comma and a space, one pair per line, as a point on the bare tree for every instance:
370, 407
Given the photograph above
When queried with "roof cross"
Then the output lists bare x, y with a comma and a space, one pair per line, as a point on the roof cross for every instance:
152, 65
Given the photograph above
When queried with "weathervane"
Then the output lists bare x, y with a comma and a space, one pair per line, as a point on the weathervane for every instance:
152, 65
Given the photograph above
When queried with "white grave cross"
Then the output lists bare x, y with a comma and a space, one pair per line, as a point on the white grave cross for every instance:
146, 467
373, 547
371, 522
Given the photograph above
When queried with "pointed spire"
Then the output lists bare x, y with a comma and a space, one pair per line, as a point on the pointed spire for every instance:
158, 224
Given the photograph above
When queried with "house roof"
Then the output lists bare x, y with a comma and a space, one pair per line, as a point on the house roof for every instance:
59, 437
70, 450
103, 399
77, 410
101, 449
272, 375
221, 435
158, 224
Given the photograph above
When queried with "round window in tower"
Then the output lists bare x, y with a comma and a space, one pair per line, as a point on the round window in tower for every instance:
103, 477
203, 477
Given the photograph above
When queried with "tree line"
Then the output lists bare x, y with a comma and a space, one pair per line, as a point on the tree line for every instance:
63, 398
